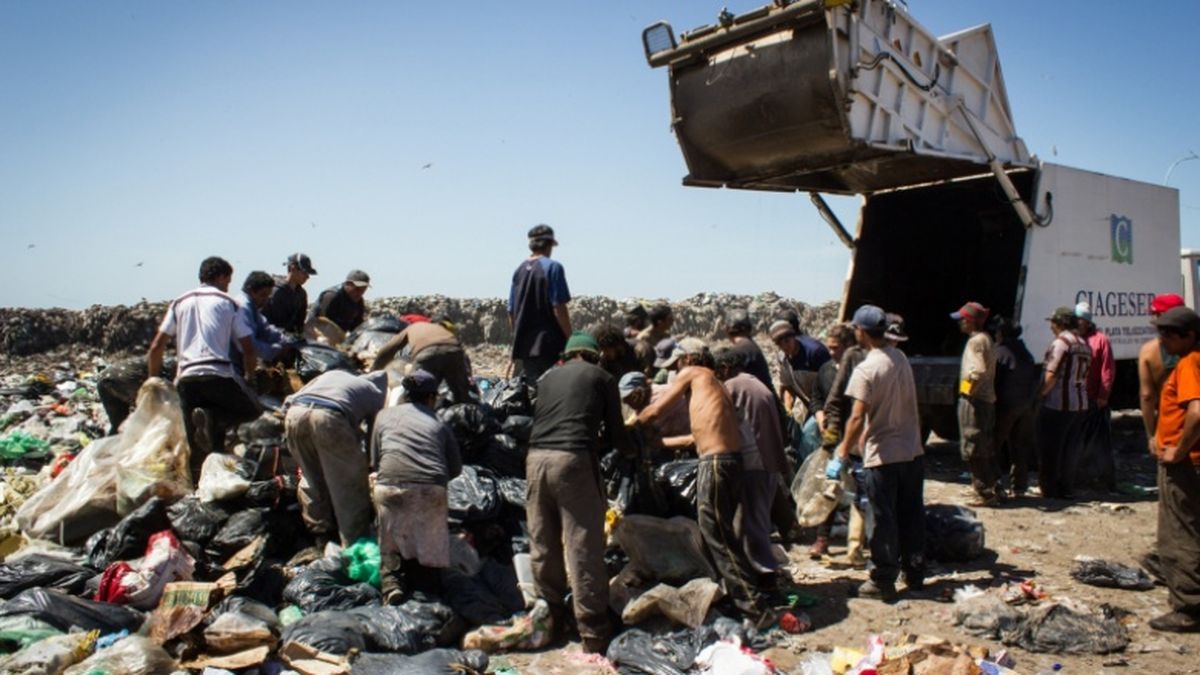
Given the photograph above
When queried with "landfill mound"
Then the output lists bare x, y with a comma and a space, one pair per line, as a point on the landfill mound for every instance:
481, 320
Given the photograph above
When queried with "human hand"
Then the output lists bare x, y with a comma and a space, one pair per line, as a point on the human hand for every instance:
1172, 454
833, 470
1152, 444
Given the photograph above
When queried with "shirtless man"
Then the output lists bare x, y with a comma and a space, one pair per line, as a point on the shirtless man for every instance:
1154, 365
717, 435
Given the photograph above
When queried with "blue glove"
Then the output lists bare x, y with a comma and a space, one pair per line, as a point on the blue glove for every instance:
833, 470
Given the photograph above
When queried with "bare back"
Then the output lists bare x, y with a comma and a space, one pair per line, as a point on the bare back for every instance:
714, 418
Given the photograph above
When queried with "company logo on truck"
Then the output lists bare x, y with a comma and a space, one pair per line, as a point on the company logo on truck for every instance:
1122, 239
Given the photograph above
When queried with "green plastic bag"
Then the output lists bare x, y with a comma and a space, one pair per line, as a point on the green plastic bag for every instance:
362, 560
19, 444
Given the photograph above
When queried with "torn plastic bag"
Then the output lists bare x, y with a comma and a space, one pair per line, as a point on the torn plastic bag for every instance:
111, 476
129, 537
315, 359
323, 585
65, 612
238, 623
433, 662
1108, 574
513, 490
50, 656
813, 493
238, 532
728, 658
410, 628
509, 397
491, 596
519, 427
669, 550
140, 583
504, 456
953, 533
688, 604
134, 655
528, 631
636, 651
224, 477
196, 521
985, 615
18, 632
472, 425
473, 496
1057, 629
678, 481
38, 570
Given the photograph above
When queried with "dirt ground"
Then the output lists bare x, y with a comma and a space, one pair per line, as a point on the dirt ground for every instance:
1032, 538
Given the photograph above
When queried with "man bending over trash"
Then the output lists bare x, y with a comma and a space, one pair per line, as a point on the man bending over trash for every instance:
715, 429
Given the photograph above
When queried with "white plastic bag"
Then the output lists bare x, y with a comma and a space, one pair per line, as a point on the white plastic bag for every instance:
219, 478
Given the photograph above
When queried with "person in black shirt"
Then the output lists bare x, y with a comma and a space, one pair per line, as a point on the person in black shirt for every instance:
577, 416
343, 305
289, 301
739, 328
537, 307
1017, 379
617, 356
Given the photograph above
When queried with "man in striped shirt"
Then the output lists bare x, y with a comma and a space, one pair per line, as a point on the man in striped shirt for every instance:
1064, 406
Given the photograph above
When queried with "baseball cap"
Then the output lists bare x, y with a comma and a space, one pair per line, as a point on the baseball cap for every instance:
691, 345
870, 317
781, 329
971, 310
581, 342
631, 382
303, 262
1084, 311
420, 381
1162, 303
663, 352
739, 320
895, 328
358, 278
1182, 318
542, 232
1063, 315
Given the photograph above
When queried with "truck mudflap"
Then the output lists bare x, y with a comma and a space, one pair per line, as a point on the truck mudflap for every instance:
834, 96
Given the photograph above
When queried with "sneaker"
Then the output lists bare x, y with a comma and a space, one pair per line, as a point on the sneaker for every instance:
1176, 622
881, 591
819, 548
201, 435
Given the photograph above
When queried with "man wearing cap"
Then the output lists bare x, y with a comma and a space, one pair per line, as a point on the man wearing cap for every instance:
719, 481
1154, 365
800, 359
664, 366
205, 322
289, 301
1064, 405
1098, 451
343, 305
739, 330
270, 342
884, 422
577, 416
435, 348
323, 427
977, 402
1177, 447
537, 307
414, 455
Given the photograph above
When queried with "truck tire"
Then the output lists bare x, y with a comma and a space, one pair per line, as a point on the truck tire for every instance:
942, 419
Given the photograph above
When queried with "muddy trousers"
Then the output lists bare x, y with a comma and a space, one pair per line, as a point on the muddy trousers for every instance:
565, 509
1059, 439
719, 488
1015, 443
228, 404
976, 428
895, 520
757, 499
334, 494
1179, 534
448, 362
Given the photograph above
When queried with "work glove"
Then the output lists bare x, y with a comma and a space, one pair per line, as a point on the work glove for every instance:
833, 470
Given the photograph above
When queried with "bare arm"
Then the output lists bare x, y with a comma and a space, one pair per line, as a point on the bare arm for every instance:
1047, 384
1147, 394
854, 429
679, 442
681, 386
154, 358
389, 350
1191, 435
563, 316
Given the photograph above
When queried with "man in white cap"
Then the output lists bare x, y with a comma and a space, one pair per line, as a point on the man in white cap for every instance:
343, 305
289, 301
1097, 442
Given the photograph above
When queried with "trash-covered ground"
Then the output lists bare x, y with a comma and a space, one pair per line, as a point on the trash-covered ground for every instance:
222, 577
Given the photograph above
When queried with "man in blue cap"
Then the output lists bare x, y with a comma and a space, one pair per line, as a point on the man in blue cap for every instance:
884, 421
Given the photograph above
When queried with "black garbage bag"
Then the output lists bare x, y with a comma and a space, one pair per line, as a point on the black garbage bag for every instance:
272, 493
237, 532
408, 629
66, 612
315, 359
384, 323
1056, 629
433, 662
324, 586
952, 533
504, 456
38, 570
1109, 574
268, 427
677, 480
473, 427
332, 632
127, 539
512, 491
473, 495
194, 520
519, 427
636, 651
511, 397
491, 596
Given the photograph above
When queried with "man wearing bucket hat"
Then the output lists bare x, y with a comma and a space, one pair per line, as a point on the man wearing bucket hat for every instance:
343, 305
537, 307
977, 402
566, 502
1064, 405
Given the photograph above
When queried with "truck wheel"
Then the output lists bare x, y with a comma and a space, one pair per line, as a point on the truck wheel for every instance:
943, 420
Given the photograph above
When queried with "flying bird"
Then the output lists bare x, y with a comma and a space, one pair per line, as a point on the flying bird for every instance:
428, 166
313, 224
138, 265
31, 246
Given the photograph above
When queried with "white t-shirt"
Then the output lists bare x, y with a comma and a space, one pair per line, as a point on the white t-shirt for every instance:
884, 383
204, 322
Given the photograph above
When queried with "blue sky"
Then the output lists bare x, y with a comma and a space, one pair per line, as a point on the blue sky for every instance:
162, 132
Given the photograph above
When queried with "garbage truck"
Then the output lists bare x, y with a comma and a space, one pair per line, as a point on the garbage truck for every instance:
854, 97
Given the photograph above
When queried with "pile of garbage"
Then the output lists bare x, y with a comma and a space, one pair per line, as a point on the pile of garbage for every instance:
908, 654
1021, 614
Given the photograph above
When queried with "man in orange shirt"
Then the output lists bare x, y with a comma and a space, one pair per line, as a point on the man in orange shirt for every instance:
1177, 447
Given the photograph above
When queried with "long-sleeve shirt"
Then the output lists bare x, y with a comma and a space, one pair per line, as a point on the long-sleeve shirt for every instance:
411, 445
287, 306
837, 404
578, 408
1104, 368
268, 340
756, 404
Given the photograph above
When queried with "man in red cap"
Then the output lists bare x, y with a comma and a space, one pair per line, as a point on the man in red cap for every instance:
977, 402
1154, 365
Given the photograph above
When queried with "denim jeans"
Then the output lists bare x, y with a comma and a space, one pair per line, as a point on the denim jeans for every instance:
895, 517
